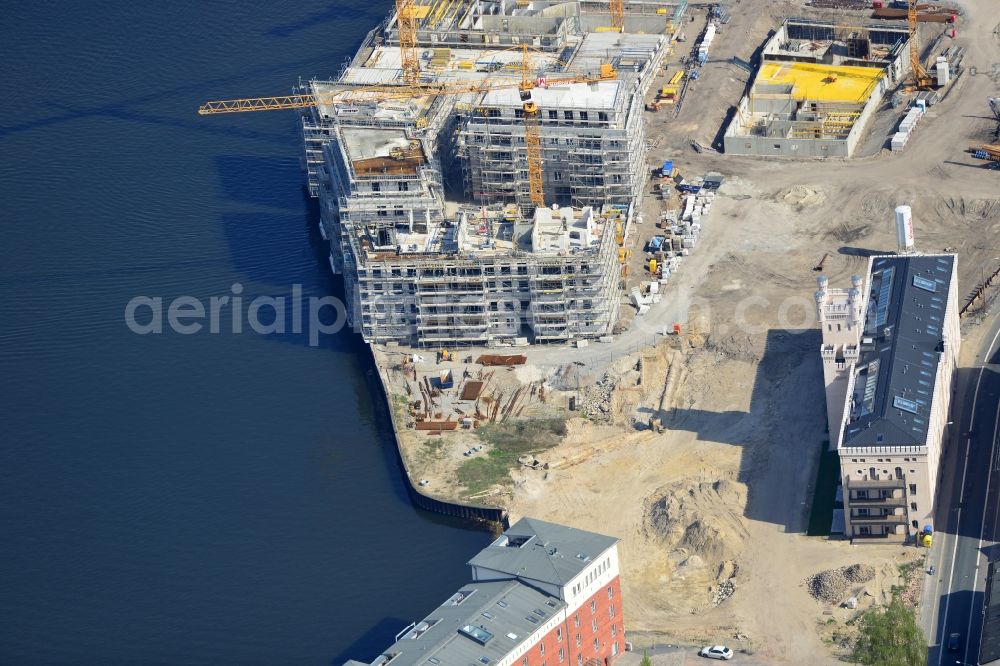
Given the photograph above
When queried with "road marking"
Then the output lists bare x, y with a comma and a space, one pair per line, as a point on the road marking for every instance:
982, 530
961, 496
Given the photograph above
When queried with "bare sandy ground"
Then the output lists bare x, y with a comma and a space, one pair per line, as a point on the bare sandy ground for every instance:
722, 496
712, 512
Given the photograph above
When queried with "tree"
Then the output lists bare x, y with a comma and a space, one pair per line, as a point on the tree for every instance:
890, 636
646, 661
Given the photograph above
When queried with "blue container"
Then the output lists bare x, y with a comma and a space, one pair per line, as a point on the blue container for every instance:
668, 168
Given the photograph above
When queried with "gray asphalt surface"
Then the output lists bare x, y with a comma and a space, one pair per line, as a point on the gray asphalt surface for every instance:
967, 523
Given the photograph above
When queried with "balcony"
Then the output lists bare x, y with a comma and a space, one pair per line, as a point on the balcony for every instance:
895, 538
897, 519
856, 484
876, 501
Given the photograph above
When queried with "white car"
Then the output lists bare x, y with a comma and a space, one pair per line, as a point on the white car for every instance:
716, 652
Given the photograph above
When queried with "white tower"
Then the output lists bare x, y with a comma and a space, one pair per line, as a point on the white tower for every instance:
841, 319
904, 229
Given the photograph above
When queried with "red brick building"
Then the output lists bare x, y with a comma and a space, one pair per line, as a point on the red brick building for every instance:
542, 595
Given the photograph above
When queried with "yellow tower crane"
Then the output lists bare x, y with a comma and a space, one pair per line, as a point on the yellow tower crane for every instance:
921, 81
532, 130
618, 14
406, 21
348, 95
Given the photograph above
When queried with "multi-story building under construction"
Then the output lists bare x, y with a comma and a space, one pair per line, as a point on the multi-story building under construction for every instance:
426, 200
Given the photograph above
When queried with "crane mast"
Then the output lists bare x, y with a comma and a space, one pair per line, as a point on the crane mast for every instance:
361, 94
406, 21
618, 14
920, 78
532, 131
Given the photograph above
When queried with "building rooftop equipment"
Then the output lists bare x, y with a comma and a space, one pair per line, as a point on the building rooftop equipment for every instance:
480, 624
900, 347
535, 550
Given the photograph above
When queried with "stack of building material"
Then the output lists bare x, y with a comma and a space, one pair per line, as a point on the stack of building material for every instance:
706, 42
906, 127
440, 58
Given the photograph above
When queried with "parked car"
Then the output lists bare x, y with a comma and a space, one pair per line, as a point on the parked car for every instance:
716, 652
953, 641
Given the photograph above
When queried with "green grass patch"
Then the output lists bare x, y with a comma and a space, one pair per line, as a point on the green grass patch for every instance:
825, 494
525, 436
906, 571
434, 446
508, 441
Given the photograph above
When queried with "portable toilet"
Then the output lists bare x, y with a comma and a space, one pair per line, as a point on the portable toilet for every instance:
927, 536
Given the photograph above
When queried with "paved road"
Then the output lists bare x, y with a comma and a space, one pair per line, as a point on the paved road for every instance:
967, 509
678, 656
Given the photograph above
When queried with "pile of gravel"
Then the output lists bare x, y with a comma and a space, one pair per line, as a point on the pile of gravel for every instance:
725, 590
859, 573
830, 586
595, 399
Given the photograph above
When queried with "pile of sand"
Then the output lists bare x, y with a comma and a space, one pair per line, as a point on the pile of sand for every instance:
801, 196
697, 524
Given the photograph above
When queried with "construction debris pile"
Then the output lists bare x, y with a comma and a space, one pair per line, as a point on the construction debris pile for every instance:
595, 399
830, 586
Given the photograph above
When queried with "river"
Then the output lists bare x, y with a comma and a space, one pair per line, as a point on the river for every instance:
205, 498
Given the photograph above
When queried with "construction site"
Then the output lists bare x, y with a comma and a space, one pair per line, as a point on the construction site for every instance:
437, 207
816, 88
495, 175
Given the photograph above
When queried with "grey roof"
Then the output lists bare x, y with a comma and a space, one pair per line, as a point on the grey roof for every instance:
478, 625
900, 350
546, 552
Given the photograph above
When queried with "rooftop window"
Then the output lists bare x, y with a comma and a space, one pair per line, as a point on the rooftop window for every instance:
905, 404
921, 282
517, 541
477, 634
460, 596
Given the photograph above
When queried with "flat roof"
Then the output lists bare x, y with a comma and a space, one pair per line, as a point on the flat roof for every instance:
824, 83
583, 96
381, 151
363, 143
480, 624
542, 551
896, 372
619, 49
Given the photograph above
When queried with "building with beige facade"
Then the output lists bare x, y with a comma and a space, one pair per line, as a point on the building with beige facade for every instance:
890, 347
